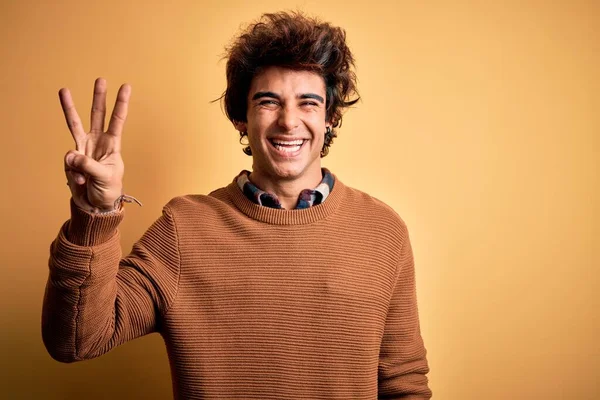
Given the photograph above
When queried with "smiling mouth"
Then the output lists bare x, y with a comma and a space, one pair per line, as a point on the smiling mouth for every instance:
288, 147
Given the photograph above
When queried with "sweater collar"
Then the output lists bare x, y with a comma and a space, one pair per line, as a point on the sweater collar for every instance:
307, 198
277, 216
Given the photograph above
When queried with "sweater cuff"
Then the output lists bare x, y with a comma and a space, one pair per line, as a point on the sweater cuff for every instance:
87, 229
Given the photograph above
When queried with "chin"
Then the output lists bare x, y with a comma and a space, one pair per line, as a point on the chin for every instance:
288, 173
275, 166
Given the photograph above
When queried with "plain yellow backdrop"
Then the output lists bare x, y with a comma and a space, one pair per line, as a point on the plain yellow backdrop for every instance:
478, 124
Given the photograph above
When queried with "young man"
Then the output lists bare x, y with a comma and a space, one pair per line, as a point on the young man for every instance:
285, 284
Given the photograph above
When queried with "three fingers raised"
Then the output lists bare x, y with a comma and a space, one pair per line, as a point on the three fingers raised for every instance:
94, 169
98, 113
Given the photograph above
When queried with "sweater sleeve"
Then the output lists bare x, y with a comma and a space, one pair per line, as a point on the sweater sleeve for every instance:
94, 300
402, 361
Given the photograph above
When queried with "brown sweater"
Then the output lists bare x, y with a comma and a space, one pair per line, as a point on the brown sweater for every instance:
252, 302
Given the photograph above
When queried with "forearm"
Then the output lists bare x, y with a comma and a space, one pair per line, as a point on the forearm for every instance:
95, 300
81, 289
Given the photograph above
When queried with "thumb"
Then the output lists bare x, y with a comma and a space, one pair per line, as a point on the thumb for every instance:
82, 164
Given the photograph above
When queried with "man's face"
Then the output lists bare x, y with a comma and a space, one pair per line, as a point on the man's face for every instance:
286, 124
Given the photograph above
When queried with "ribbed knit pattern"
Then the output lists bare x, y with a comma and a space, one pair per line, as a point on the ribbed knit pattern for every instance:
252, 302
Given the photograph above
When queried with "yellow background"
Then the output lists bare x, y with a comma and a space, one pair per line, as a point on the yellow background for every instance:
478, 124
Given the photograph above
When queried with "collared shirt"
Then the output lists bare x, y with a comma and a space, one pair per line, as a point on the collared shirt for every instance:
306, 199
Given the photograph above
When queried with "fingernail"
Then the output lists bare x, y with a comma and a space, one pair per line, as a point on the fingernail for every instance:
70, 158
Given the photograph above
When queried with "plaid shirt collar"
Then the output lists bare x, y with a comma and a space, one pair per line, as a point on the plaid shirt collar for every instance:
307, 198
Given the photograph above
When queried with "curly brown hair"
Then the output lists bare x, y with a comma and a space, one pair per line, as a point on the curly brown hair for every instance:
291, 40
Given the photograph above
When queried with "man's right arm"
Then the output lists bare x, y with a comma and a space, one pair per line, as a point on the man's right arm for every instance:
95, 300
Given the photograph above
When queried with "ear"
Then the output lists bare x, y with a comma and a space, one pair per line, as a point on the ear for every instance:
240, 126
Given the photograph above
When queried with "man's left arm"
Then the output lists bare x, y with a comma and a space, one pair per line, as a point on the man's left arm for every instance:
402, 358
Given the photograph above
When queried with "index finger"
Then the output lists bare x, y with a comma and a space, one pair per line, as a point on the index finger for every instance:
119, 114
71, 116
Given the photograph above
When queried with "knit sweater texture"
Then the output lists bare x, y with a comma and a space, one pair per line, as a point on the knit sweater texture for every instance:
252, 302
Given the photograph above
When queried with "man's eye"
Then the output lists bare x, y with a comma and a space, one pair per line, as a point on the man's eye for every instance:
309, 103
267, 102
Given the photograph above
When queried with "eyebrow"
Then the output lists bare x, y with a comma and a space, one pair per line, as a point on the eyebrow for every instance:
273, 95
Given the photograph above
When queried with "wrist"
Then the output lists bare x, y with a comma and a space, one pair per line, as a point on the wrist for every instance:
117, 205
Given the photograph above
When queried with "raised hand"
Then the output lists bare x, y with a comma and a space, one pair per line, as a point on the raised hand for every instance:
95, 168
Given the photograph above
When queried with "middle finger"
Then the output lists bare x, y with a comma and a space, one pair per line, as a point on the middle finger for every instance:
98, 106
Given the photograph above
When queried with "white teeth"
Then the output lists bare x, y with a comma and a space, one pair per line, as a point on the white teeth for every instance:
290, 143
287, 149
290, 146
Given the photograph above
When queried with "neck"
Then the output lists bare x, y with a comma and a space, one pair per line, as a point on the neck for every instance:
286, 190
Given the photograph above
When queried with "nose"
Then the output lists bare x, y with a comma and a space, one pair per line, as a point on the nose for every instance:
288, 118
